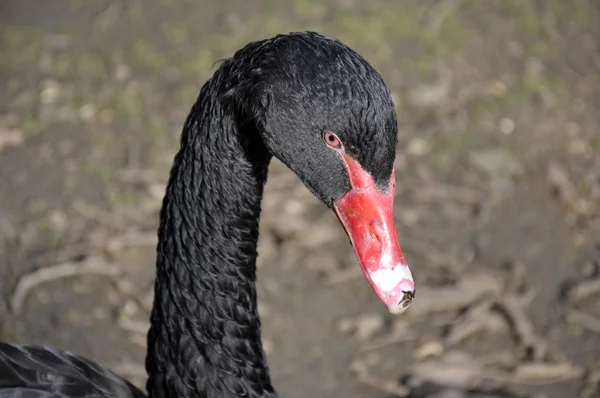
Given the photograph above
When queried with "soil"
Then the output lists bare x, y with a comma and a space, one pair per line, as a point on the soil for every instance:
497, 206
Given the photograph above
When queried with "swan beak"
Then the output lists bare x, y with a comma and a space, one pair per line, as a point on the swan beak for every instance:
366, 214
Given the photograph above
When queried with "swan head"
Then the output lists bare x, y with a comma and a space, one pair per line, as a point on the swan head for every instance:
327, 114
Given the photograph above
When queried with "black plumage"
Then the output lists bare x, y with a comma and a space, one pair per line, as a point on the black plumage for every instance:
32, 371
274, 97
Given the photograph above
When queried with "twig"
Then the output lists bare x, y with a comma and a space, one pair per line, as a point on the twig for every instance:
515, 275
582, 290
472, 373
582, 319
559, 179
527, 297
536, 373
469, 323
90, 266
391, 387
472, 287
65, 254
591, 387
398, 336
522, 326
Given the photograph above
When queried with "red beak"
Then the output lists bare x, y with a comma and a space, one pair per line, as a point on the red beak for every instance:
367, 216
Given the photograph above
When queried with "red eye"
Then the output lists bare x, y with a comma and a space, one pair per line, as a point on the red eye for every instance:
332, 140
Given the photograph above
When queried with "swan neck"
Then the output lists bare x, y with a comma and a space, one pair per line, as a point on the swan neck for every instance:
204, 339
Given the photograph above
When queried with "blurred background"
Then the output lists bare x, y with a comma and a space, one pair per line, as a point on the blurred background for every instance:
497, 207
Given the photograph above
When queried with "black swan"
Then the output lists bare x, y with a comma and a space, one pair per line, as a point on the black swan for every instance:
321, 109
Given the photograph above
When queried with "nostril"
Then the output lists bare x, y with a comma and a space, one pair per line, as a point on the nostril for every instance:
375, 231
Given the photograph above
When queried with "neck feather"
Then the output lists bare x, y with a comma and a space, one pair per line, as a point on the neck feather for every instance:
204, 339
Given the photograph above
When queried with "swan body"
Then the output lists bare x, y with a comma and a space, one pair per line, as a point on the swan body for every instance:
45, 372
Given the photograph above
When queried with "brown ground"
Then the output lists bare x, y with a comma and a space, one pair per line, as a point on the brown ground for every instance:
498, 190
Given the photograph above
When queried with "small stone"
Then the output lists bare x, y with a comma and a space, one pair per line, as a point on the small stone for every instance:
432, 348
346, 325
368, 326
130, 308
294, 207
157, 190
578, 147
497, 89
263, 309
58, 220
418, 147
12, 137
358, 366
268, 346
507, 126
122, 72
50, 91
87, 112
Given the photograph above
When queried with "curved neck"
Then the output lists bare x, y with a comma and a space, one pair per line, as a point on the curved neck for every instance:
204, 339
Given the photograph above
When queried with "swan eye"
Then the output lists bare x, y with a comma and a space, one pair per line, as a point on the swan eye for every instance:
332, 140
